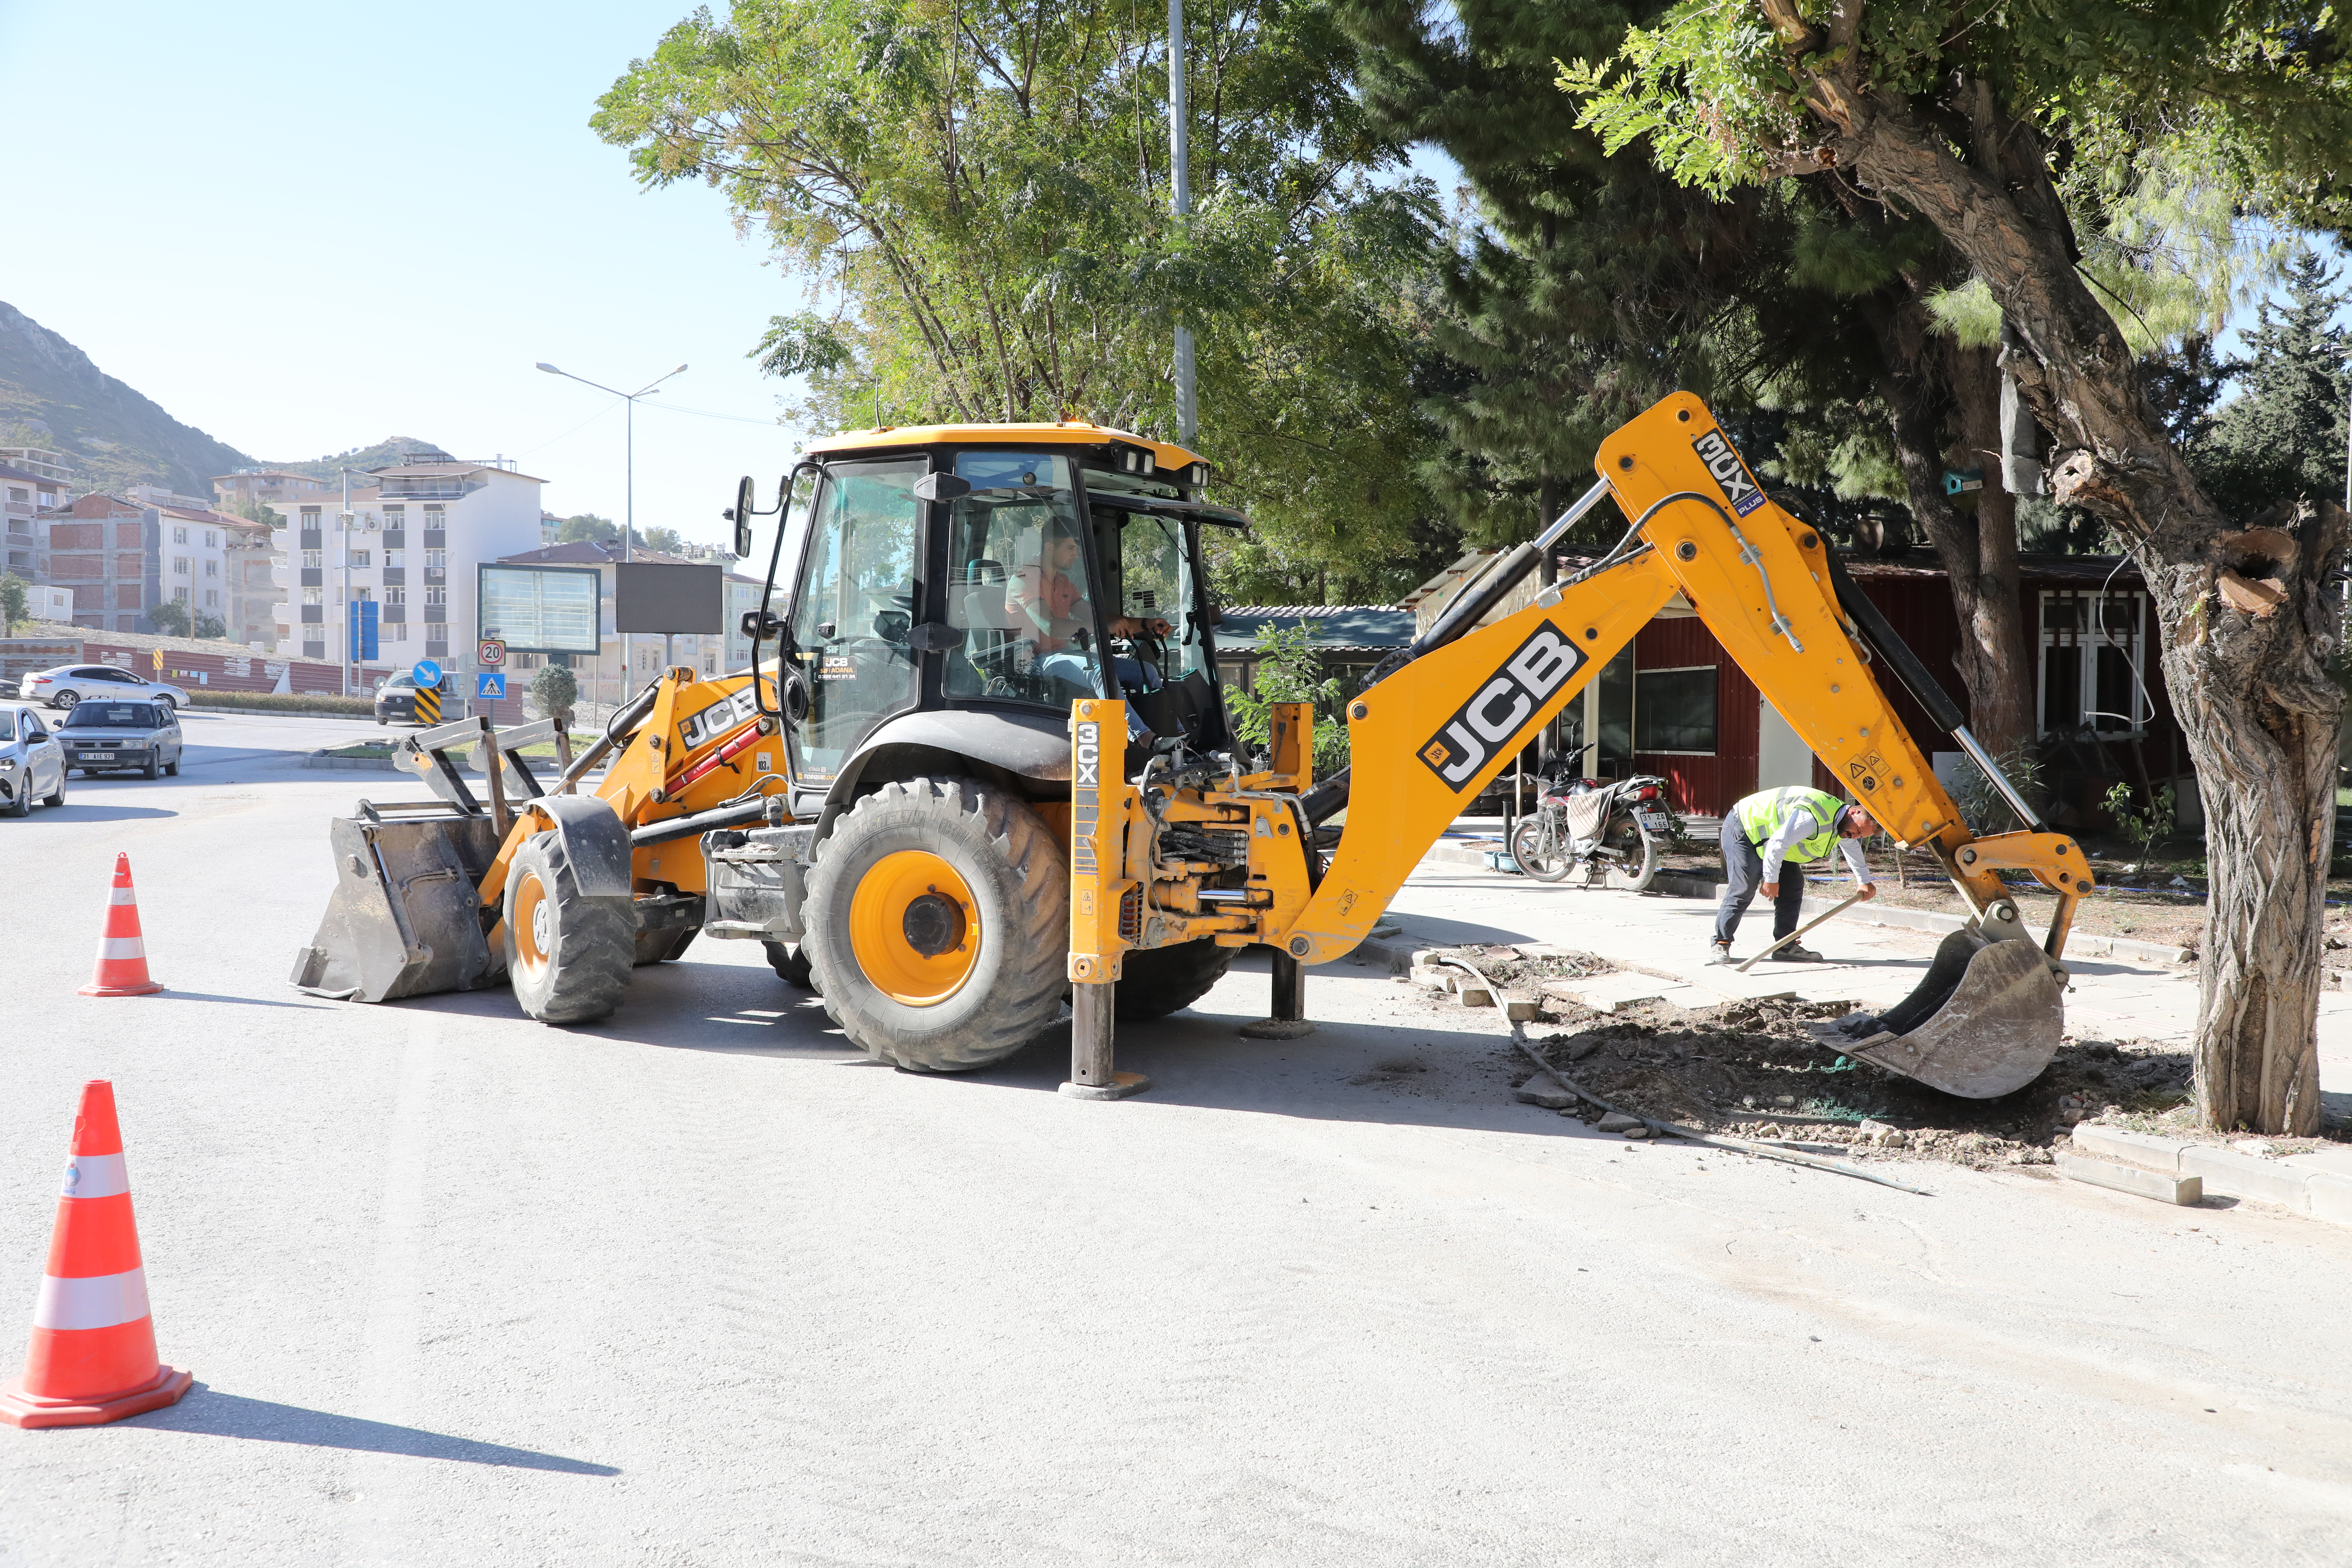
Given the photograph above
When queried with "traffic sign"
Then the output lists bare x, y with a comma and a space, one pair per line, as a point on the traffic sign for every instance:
428, 705
361, 628
425, 672
491, 654
490, 686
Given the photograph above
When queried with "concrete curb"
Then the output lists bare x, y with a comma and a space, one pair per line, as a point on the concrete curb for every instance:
2322, 1194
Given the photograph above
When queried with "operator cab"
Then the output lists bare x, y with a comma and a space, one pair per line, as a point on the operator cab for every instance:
1001, 572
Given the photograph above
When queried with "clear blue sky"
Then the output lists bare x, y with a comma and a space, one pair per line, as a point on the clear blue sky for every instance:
303, 227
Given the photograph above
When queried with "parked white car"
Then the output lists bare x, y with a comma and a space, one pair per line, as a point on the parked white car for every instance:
32, 762
71, 683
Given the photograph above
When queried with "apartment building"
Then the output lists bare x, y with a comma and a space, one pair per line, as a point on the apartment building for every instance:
54, 467
25, 494
205, 562
411, 543
102, 547
270, 487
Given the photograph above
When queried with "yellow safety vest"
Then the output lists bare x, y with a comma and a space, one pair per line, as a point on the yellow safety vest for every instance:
1761, 816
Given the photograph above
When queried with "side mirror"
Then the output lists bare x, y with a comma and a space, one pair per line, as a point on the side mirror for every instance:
739, 514
942, 487
1216, 614
763, 625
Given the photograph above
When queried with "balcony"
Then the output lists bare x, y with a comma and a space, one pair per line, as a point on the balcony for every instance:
436, 575
313, 615
394, 614
312, 540
396, 537
313, 577
435, 614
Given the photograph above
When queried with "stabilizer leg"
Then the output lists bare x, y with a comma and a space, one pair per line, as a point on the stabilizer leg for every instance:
1092, 1012
1288, 1021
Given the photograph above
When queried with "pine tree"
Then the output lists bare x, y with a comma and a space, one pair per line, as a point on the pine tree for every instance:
2283, 435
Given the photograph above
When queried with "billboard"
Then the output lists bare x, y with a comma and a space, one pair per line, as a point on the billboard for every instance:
541, 609
681, 600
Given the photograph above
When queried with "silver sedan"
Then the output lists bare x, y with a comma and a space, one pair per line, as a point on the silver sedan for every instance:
103, 735
32, 762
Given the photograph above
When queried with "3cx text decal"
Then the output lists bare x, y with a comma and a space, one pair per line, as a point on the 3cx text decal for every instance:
1085, 757
1728, 471
715, 720
1491, 720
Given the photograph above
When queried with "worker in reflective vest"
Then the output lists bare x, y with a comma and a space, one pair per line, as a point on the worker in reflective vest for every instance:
1770, 830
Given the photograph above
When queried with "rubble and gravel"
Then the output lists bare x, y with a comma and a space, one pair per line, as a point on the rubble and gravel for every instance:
1750, 1069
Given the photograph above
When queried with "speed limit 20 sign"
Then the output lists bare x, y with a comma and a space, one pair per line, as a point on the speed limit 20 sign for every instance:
491, 654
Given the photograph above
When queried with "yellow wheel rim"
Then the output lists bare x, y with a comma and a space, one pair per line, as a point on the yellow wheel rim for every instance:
529, 922
915, 928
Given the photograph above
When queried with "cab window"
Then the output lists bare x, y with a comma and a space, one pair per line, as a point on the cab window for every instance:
1018, 585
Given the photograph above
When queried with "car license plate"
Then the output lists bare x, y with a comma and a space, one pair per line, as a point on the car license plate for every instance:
1655, 821
98, 756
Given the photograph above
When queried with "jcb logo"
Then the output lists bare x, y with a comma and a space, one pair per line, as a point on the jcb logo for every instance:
1728, 471
1492, 719
1086, 759
715, 720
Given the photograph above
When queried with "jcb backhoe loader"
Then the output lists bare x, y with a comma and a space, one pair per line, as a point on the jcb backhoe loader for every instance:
986, 768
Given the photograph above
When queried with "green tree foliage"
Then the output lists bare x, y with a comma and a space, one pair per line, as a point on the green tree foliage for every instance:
204, 624
15, 604
556, 690
1289, 670
170, 617
667, 540
980, 193
2284, 434
587, 528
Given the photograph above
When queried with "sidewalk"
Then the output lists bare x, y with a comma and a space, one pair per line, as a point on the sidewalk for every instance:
2112, 996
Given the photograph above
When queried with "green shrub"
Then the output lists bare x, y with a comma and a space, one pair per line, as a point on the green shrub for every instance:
292, 702
1290, 670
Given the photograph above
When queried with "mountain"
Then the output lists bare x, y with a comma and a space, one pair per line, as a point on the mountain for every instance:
52, 396
391, 449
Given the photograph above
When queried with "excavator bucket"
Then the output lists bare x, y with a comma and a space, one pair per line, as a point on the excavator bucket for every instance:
405, 918
1985, 1021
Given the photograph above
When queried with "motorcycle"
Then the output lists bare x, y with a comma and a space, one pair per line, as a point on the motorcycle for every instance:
1608, 832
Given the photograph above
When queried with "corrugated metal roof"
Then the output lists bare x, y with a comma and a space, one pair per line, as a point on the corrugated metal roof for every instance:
1339, 628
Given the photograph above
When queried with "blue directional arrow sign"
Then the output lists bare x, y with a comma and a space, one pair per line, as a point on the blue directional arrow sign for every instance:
425, 672
488, 686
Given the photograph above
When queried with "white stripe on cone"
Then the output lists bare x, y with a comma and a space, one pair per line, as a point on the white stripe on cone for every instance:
124, 896
114, 949
95, 1176
99, 1302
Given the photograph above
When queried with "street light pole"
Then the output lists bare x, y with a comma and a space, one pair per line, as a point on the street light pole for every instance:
629, 469
343, 527
1179, 179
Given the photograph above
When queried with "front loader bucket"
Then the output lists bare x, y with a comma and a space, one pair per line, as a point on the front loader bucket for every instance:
1985, 1021
404, 920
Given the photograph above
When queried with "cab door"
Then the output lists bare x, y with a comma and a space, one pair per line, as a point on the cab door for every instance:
854, 607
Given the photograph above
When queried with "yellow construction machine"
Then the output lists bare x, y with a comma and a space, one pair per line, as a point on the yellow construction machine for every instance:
984, 769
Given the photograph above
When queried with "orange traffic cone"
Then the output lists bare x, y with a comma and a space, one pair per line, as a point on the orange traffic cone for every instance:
122, 954
93, 1358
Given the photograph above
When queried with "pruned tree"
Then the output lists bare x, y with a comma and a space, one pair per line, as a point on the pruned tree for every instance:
1984, 126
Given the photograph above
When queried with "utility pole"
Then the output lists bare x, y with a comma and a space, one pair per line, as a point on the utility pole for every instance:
343, 527
629, 500
1179, 180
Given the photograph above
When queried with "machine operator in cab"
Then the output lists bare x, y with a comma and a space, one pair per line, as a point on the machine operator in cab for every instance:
1047, 595
1768, 841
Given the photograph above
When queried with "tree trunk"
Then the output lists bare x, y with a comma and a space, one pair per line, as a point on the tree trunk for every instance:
1980, 561
1991, 606
2247, 617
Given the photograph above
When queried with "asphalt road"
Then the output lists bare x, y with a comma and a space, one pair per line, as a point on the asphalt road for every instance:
698, 1285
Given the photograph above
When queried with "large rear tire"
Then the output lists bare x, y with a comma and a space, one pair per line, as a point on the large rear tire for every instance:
568, 955
937, 919
1154, 982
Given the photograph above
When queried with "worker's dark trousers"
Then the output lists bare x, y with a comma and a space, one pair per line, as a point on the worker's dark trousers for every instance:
1743, 871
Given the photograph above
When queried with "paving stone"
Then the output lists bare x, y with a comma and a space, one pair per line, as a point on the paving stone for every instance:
2133, 1148
1521, 1006
1470, 994
1541, 1091
2237, 1175
2132, 1179
2331, 1196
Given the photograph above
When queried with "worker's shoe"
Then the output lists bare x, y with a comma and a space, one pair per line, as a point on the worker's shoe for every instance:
1798, 953
1720, 952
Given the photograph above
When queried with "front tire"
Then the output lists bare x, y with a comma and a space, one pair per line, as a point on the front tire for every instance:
152, 771
1529, 844
938, 924
58, 798
1154, 982
568, 955
20, 805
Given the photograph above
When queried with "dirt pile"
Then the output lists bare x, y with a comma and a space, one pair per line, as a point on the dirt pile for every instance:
1751, 1069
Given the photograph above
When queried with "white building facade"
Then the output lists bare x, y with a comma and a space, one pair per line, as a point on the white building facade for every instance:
411, 543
